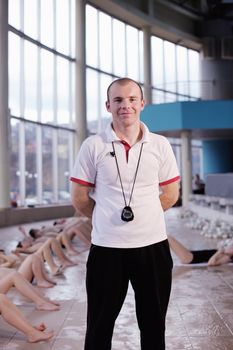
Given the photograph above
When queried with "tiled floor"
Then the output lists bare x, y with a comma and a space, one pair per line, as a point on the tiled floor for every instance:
200, 314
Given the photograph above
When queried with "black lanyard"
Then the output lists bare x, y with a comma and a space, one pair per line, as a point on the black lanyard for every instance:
127, 213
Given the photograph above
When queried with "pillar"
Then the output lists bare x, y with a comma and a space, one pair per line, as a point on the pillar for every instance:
186, 166
4, 115
217, 59
80, 75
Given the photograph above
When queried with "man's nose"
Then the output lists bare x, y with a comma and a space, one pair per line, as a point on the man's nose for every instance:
125, 104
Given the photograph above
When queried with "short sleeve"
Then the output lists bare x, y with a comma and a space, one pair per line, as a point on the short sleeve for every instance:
84, 170
168, 171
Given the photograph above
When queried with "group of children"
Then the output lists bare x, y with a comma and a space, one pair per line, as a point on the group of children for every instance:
26, 264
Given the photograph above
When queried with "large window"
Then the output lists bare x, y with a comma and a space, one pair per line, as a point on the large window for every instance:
63, 166
15, 172
41, 99
48, 187
175, 72
63, 92
47, 27
47, 87
31, 81
42, 86
31, 174
113, 49
119, 46
14, 74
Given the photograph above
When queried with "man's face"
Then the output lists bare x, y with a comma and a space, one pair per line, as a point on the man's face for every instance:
125, 103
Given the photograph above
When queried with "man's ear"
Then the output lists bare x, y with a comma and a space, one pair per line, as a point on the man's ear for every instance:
142, 104
107, 104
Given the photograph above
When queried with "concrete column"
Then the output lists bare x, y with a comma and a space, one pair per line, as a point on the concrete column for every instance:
217, 59
147, 64
186, 166
80, 75
4, 115
217, 79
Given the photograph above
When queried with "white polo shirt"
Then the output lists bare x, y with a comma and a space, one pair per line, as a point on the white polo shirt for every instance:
96, 167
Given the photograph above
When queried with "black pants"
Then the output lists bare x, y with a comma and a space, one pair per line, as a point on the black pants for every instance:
109, 271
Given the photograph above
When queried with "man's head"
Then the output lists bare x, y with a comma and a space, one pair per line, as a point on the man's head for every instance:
125, 102
124, 81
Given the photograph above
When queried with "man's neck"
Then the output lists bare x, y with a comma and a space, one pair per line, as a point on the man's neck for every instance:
131, 134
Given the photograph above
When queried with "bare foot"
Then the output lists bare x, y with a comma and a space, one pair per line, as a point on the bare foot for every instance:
47, 306
37, 336
68, 263
44, 284
48, 279
58, 271
54, 302
72, 251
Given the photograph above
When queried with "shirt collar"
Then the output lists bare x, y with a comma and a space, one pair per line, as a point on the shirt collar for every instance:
111, 135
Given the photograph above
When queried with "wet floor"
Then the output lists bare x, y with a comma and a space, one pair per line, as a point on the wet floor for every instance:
200, 313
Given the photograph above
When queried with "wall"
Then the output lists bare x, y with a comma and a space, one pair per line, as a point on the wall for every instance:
15, 216
217, 156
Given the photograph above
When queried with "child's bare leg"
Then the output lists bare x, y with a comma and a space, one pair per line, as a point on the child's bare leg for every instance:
45, 252
32, 267
15, 279
41, 277
79, 232
4, 271
45, 274
57, 249
26, 268
15, 318
22, 230
183, 253
85, 229
64, 239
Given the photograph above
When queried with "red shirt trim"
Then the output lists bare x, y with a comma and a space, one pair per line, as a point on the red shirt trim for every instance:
169, 181
127, 148
82, 182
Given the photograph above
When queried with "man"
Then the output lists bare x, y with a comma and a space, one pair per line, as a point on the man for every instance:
116, 181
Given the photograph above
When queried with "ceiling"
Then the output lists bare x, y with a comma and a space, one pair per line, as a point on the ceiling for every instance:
207, 9
203, 134
183, 21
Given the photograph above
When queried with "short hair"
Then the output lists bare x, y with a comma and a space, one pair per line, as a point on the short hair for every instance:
32, 232
123, 81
